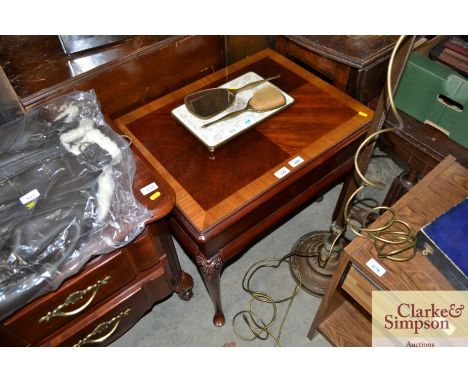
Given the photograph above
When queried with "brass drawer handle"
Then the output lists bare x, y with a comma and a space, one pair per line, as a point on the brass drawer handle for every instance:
73, 298
112, 324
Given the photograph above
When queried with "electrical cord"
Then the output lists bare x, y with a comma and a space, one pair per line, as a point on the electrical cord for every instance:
258, 327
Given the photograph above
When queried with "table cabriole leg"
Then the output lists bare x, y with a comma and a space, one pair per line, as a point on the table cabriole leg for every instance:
210, 271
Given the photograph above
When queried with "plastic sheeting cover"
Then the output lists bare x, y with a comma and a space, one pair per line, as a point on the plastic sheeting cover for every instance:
65, 195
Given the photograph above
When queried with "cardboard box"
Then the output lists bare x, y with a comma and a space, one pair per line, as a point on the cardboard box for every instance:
435, 94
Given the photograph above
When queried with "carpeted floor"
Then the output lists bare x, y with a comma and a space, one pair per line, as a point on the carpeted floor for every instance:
179, 323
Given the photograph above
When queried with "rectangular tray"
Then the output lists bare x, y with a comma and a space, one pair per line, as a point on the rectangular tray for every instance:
217, 134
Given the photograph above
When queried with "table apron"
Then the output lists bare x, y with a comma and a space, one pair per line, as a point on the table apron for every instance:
238, 235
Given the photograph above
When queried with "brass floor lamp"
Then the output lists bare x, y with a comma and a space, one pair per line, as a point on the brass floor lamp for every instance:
318, 252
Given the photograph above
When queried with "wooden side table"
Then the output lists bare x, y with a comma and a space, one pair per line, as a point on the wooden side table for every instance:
228, 198
353, 64
344, 315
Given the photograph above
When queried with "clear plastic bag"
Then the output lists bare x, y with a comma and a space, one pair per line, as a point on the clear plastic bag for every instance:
65, 195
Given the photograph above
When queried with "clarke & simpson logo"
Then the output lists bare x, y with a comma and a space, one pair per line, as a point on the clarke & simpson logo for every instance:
410, 317
419, 319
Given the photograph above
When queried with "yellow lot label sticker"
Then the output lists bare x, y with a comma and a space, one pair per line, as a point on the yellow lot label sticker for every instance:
156, 195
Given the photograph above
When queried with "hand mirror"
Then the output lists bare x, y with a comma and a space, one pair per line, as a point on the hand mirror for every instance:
207, 103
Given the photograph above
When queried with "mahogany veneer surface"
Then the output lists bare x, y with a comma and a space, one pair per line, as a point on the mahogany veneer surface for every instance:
211, 186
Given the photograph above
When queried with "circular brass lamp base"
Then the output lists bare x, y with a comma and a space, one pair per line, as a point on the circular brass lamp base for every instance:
314, 278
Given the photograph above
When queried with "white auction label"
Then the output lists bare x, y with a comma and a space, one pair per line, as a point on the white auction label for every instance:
149, 188
296, 161
282, 172
376, 267
30, 196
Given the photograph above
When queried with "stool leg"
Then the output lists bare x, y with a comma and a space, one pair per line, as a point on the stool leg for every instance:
211, 271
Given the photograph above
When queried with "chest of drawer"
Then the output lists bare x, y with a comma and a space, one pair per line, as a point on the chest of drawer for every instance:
102, 277
108, 321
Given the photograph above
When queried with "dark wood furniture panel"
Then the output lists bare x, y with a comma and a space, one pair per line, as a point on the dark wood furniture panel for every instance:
97, 281
422, 147
123, 75
239, 47
228, 198
342, 317
10, 105
116, 315
354, 64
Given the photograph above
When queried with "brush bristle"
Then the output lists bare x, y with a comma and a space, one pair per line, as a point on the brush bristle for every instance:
267, 98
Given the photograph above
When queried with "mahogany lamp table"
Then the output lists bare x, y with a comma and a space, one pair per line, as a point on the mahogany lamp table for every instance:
228, 198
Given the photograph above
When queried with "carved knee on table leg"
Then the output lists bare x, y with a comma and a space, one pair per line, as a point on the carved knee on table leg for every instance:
184, 289
211, 271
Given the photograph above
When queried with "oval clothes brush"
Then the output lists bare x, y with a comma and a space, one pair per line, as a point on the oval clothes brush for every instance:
265, 99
